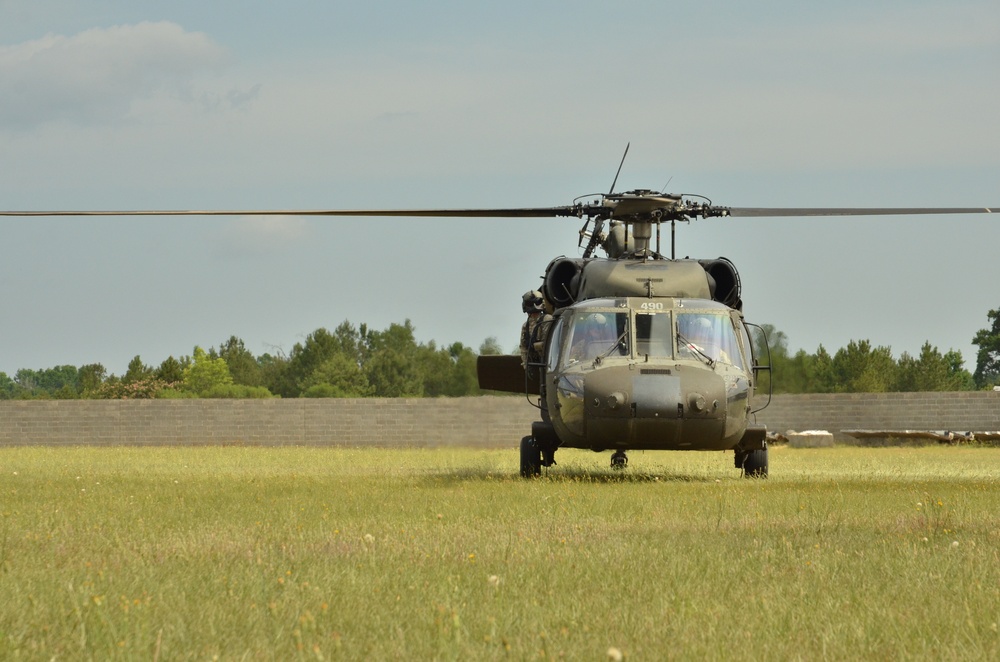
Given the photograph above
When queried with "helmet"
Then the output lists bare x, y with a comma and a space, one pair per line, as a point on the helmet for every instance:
531, 301
700, 327
594, 323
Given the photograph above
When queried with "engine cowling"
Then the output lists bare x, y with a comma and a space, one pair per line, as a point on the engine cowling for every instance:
561, 284
568, 280
726, 282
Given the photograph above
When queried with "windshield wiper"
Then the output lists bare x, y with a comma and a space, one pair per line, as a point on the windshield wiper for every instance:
697, 350
616, 345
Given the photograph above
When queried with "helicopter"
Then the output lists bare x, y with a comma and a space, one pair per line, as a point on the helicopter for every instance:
631, 351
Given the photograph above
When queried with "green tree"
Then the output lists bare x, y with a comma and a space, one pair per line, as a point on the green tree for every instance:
797, 375
205, 373
242, 364
392, 361
821, 376
349, 340
436, 368
59, 382
770, 347
447, 371
466, 381
962, 378
91, 376
393, 373
858, 368
338, 377
319, 348
171, 371
137, 371
274, 372
988, 357
932, 371
7, 387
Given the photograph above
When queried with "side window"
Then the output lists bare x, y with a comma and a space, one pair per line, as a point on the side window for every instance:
747, 345
727, 341
555, 344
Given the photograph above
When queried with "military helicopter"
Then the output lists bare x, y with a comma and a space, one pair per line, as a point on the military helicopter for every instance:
632, 351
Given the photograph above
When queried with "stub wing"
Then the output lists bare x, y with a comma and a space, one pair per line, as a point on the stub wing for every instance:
505, 373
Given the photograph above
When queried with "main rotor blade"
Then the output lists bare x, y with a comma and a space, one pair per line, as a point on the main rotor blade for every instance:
528, 212
854, 211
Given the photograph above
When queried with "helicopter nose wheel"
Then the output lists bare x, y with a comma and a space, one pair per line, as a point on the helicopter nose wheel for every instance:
531, 457
754, 463
619, 460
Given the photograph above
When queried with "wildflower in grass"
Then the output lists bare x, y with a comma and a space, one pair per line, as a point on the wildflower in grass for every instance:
954, 544
493, 580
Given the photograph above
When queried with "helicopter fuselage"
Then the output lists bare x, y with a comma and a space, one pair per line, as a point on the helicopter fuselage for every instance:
620, 374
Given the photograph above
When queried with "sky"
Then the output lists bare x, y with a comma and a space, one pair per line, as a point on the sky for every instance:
116, 104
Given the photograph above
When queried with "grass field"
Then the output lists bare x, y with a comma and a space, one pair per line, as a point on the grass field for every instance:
263, 553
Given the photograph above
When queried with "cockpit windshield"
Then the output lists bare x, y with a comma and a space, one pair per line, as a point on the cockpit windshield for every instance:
597, 335
708, 335
654, 334
588, 335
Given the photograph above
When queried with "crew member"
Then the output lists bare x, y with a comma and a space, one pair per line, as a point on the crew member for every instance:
531, 345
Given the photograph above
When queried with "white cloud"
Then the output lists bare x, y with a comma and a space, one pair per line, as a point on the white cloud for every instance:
95, 76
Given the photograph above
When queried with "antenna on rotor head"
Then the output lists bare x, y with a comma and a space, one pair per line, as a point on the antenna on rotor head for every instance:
612, 191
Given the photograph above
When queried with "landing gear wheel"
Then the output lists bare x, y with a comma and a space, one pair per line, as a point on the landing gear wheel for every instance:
531, 458
619, 460
755, 464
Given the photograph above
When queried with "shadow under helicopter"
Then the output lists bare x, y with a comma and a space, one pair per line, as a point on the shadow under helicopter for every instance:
600, 476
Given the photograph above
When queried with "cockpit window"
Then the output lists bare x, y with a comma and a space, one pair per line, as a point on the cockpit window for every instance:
654, 334
708, 335
594, 335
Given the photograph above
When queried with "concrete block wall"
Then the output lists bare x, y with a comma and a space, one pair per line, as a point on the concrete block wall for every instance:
490, 422
959, 411
487, 421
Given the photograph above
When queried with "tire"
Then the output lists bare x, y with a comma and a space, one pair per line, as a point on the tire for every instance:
755, 464
531, 458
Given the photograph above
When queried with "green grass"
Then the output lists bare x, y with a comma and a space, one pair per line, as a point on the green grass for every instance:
263, 553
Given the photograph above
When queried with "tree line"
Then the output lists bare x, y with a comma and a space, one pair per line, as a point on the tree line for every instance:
357, 362
348, 362
863, 368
